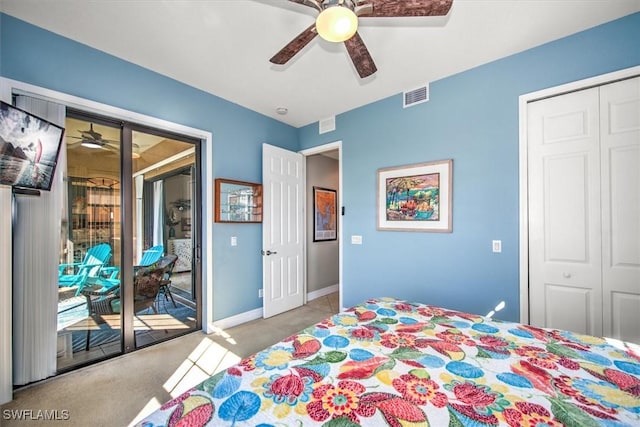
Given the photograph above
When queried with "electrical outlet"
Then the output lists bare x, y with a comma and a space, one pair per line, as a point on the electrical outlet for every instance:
260, 293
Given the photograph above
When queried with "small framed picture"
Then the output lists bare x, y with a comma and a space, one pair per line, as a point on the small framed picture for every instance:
416, 197
325, 224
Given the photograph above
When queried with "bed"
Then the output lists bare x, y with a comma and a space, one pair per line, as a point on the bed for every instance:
397, 363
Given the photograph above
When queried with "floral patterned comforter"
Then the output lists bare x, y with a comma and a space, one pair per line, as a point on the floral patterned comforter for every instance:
395, 363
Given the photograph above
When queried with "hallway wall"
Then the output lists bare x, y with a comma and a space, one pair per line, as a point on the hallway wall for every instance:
322, 257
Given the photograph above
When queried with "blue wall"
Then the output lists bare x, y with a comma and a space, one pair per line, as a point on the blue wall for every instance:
472, 118
39, 57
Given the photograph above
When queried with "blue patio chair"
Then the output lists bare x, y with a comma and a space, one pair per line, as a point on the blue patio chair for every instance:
77, 274
110, 276
146, 286
151, 255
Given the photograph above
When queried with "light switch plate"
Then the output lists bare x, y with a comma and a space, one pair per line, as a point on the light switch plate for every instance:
356, 240
497, 246
234, 241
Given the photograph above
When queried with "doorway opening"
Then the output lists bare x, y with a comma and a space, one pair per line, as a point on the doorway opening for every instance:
323, 252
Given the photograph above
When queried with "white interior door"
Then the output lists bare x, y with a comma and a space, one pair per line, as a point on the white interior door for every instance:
282, 230
565, 289
620, 148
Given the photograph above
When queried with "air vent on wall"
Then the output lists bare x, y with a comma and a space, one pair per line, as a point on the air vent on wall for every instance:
415, 96
327, 125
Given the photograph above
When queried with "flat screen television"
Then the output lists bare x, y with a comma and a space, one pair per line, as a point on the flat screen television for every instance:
29, 148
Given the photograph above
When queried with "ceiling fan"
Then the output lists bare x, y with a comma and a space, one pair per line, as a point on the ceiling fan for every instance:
337, 21
92, 139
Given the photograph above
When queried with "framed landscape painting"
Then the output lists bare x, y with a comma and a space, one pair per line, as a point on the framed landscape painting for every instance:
324, 214
416, 197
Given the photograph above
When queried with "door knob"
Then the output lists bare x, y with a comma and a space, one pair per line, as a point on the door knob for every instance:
269, 252
566, 275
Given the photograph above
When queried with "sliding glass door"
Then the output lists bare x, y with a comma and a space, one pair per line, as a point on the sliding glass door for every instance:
90, 255
164, 191
129, 277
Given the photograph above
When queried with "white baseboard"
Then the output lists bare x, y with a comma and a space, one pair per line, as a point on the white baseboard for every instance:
230, 322
322, 292
247, 316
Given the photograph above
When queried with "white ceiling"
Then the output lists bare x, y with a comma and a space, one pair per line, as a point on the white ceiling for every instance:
223, 46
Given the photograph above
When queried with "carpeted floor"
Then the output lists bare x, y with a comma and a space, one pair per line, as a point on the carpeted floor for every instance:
119, 391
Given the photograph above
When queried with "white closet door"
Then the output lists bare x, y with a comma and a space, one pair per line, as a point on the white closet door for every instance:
565, 289
620, 148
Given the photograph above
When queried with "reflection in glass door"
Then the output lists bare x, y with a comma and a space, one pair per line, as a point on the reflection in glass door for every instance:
163, 187
88, 327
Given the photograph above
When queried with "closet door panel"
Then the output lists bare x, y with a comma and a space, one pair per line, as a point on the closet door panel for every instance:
620, 148
565, 289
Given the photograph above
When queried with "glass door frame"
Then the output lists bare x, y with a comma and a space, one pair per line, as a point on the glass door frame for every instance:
129, 344
127, 332
116, 124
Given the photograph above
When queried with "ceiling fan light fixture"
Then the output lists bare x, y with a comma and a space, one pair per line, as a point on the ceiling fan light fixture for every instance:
90, 144
337, 23
135, 151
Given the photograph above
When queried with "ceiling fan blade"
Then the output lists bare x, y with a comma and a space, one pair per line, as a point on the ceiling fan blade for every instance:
390, 8
111, 148
311, 3
360, 56
295, 46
